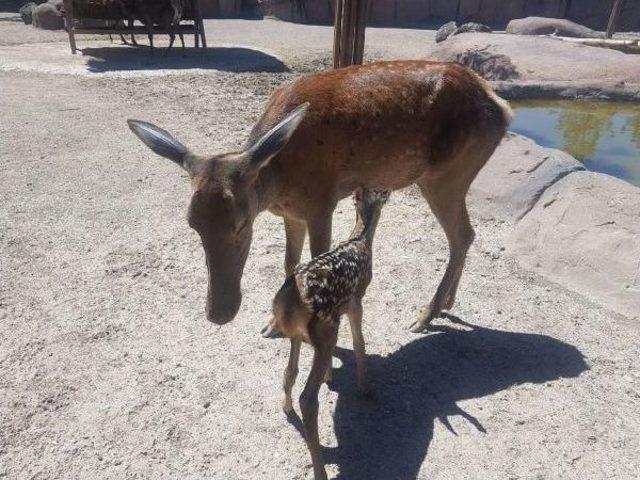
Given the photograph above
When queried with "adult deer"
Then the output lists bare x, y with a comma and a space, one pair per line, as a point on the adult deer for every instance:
384, 126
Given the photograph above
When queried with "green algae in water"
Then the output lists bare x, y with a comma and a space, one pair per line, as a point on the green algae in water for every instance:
604, 136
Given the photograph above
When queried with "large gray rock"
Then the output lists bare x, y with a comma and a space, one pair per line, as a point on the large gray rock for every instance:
517, 174
59, 4
562, 61
471, 27
26, 12
550, 26
490, 66
584, 232
445, 30
48, 17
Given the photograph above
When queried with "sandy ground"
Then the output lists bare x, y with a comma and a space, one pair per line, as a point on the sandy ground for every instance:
108, 368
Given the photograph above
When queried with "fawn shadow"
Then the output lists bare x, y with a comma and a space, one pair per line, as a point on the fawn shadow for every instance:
388, 436
228, 59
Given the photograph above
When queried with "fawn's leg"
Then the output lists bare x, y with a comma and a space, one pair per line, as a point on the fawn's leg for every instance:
309, 398
290, 375
355, 321
295, 231
448, 205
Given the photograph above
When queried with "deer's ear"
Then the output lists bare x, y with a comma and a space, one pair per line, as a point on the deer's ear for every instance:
270, 144
161, 142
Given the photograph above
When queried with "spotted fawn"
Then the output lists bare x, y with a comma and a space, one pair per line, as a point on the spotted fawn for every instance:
309, 305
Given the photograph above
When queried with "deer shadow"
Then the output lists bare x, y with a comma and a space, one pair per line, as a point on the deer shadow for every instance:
388, 437
228, 59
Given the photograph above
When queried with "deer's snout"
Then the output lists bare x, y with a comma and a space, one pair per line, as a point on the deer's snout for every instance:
269, 331
223, 308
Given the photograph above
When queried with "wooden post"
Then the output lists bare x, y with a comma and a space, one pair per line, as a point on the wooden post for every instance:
360, 26
198, 24
615, 16
68, 13
350, 23
337, 33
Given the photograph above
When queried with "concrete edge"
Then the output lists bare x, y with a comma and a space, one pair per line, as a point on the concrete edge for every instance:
554, 90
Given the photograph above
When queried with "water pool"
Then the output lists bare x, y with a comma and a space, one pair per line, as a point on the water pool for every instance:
604, 136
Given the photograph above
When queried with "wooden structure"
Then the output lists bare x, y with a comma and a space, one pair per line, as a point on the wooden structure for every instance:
349, 29
71, 15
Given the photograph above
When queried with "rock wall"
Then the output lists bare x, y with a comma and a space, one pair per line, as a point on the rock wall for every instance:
497, 13
579, 229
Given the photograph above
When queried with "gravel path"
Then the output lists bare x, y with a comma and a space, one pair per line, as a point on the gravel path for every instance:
108, 368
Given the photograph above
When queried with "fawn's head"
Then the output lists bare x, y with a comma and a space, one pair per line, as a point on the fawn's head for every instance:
224, 203
368, 203
290, 317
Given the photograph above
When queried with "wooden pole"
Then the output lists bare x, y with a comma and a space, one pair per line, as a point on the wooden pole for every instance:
199, 24
344, 33
337, 32
352, 12
615, 16
350, 24
361, 24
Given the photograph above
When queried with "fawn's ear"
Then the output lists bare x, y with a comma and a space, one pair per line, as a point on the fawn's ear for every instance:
161, 142
270, 144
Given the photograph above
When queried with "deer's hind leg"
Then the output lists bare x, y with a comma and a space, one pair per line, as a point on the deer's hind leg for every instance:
447, 201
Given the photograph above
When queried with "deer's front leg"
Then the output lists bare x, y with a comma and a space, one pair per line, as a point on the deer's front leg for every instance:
319, 226
295, 231
290, 375
309, 401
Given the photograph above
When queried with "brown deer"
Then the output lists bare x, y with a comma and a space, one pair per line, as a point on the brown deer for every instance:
385, 125
308, 308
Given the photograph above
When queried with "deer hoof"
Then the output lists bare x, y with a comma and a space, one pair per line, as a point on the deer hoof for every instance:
422, 324
287, 406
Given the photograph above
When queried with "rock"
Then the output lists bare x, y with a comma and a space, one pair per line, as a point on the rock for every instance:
511, 182
490, 66
445, 30
562, 61
59, 4
26, 12
550, 26
584, 232
471, 27
47, 17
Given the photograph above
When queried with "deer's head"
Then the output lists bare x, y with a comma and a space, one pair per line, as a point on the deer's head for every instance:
224, 203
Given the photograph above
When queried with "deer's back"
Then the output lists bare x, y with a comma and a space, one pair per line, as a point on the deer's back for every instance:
383, 125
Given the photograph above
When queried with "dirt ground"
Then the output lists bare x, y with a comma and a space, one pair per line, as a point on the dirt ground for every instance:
108, 368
